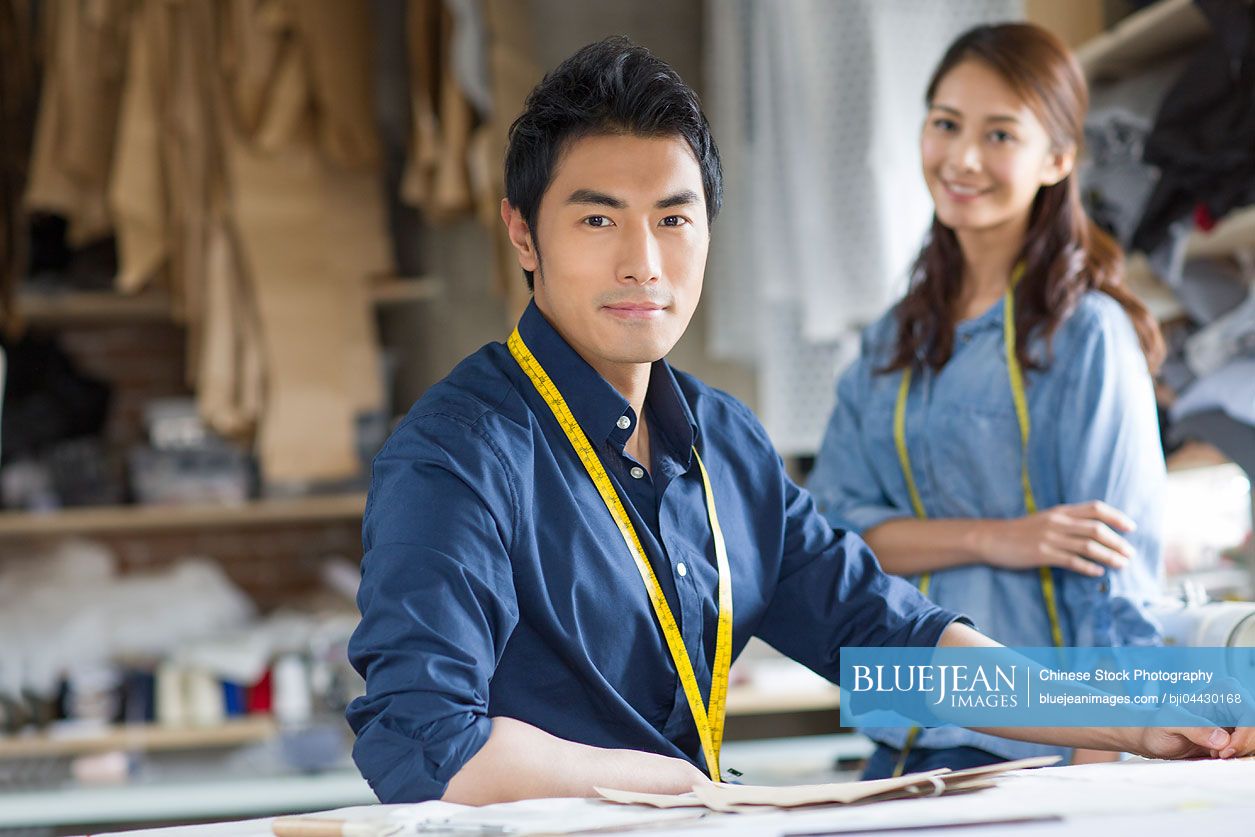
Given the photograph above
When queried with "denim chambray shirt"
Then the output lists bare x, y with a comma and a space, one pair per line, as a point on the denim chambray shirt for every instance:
1095, 436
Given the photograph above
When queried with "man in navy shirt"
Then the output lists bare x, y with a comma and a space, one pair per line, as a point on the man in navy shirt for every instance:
567, 540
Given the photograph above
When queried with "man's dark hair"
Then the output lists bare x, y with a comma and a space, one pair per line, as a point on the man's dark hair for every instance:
612, 86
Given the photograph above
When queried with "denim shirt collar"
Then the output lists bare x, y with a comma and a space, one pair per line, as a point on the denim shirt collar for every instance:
991, 318
597, 405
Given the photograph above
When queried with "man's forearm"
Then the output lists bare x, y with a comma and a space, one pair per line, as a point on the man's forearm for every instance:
520, 761
1165, 742
1113, 739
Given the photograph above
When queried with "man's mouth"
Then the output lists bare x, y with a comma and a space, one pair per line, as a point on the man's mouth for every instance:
636, 310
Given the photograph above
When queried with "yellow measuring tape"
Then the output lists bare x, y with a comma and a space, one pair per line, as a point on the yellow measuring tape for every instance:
709, 721
1016, 377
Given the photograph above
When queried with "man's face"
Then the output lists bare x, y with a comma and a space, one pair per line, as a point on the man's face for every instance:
622, 237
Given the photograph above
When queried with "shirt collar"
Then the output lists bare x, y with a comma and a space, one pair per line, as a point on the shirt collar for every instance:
991, 318
598, 406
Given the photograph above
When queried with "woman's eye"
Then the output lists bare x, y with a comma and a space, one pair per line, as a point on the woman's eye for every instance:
1001, 136
947, 125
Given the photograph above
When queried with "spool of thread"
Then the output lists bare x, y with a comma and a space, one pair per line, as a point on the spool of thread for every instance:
291, 698
205, 704
172, 709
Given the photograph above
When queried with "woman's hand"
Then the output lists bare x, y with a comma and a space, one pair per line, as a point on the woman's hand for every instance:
1081, 537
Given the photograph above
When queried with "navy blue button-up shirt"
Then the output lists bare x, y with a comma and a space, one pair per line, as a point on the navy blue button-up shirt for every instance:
495, 582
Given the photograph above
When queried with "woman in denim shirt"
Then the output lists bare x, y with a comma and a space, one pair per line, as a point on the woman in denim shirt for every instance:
931, 470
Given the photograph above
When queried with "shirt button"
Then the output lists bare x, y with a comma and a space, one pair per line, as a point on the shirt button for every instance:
624, 422
681, 570
637, 472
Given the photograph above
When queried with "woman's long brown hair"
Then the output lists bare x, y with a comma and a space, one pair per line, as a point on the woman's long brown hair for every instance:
1064, 253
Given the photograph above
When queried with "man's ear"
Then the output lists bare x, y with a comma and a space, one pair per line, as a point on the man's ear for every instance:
520, 236
1058, 165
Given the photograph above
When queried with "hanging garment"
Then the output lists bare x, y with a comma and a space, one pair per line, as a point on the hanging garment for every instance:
1115, 179
513, 72
436, 177
1204, 135
1230, 389
137, 191
335, 45
311, 233
817, 108
75, 132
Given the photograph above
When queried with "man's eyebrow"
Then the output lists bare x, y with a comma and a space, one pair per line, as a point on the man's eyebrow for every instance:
591, 196
685, 198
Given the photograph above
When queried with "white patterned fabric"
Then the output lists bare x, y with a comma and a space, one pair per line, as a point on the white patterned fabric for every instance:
817, 107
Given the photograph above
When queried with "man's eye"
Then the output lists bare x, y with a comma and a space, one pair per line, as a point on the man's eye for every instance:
674, 221
597, 221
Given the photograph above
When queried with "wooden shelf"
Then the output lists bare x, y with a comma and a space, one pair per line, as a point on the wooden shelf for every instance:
106, 519
1236, 231
83, 307
1152, 34
402, 290
147, 737
107, 307
1194, 455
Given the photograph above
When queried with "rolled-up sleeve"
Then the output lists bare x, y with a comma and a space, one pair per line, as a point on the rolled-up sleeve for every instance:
438, 605
843, 481
1109, 450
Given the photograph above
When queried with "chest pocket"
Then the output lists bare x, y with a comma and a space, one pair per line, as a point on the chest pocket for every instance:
962, 432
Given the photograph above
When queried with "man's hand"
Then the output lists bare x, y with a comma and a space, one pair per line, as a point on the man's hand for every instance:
1191, 742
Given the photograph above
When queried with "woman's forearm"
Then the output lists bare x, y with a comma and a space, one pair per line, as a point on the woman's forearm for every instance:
906, 546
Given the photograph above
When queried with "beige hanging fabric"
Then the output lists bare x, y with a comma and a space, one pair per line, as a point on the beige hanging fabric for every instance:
456, 157
84, 59
335, 39
225, 358
311, 231
513, 72
137, 190
436, 177
237, 146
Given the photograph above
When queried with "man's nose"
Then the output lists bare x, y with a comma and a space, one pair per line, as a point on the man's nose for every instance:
640, 258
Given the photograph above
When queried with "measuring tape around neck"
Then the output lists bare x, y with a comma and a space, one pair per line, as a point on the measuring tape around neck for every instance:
1015, 377
709, 721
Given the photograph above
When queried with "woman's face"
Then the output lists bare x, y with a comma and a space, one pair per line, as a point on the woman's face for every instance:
984, 152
